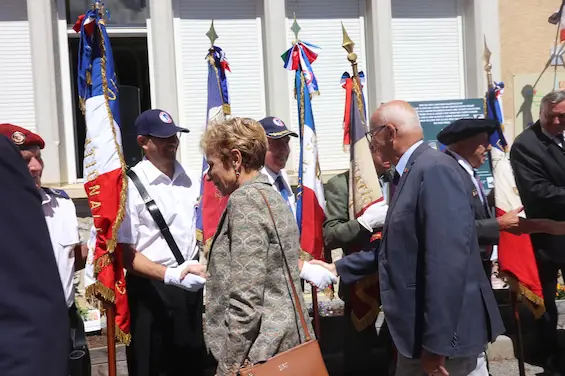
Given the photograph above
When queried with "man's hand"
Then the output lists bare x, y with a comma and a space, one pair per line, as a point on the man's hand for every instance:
374, 216
193, 267
317, 274
432, 364
510, 222
190, 282
329, 267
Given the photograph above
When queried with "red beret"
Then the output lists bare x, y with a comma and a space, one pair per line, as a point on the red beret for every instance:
21, 137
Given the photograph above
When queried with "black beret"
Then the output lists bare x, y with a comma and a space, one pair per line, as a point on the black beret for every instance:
465, 128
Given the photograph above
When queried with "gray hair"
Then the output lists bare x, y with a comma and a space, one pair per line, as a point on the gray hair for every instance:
552, 98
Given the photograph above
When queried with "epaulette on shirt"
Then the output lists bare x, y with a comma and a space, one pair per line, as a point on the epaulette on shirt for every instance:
56, 192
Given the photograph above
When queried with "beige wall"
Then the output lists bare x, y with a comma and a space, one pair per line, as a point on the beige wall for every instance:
525, 41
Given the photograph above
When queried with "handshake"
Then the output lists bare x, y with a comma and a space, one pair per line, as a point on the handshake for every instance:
319, 273
188, 276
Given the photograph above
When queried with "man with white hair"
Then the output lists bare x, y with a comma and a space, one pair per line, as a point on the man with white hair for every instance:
438, 303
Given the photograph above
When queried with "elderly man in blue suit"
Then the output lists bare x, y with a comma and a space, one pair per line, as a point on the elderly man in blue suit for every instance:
438, 303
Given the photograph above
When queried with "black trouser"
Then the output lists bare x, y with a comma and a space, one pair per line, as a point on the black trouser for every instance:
358, 358
166, 329
547, 324
79, 357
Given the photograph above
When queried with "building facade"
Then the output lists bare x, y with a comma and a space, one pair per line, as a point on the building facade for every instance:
408, 49
527, 43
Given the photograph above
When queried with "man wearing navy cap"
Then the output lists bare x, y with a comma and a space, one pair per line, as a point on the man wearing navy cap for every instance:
60, 215
166, 309
278, 151
467, 141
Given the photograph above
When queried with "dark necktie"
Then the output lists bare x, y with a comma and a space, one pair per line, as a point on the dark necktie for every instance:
283, 191
393, 184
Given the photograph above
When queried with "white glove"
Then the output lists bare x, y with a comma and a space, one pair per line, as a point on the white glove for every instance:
191, 282
319, 276
374, 216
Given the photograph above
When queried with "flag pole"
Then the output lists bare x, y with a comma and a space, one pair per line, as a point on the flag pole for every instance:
556, 53
513, 294
110, 308
111, 338
348, 45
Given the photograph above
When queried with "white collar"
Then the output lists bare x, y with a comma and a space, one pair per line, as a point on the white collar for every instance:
403, 161
273, 175
153, 173
463, 162
45, 198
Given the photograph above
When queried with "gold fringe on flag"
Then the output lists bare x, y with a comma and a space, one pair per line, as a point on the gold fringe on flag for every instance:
533, 302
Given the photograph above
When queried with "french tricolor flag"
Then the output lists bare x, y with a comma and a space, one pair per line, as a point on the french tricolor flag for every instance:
310, 203
104, 165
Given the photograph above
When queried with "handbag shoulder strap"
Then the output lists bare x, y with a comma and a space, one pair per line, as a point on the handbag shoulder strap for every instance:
156, 215
294, 293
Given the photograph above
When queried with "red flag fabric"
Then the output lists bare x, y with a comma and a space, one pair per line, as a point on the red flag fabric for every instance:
104, 165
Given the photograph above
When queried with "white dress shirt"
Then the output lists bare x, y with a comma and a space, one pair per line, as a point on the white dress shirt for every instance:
61, 218
176, 199
273, 177
403, 161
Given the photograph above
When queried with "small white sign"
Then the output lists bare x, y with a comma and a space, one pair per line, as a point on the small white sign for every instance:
92, 321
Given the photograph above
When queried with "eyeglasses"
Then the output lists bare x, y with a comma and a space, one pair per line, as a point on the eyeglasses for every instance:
369, 135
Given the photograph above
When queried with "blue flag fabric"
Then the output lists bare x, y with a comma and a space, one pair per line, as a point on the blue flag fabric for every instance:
494, 112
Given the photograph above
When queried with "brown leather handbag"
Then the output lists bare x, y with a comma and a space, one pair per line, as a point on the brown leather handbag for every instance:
302, 360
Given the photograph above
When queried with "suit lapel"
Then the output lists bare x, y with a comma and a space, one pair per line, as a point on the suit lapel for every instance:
552, 148
480, 208
419, 151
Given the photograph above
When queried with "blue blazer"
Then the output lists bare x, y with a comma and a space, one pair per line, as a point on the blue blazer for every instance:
34, 322
434, 291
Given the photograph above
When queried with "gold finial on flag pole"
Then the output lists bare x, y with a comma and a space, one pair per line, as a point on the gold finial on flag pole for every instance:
212, 35
295, 28
488, 66
349, 45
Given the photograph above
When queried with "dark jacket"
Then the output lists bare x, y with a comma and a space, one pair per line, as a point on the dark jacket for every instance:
34, 322
434, 291
539, 169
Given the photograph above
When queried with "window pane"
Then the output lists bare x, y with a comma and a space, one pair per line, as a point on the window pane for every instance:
122, 12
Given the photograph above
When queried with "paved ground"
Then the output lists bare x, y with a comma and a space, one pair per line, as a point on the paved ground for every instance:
510, 368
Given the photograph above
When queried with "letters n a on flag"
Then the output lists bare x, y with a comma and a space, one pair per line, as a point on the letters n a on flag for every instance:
212, 203
310, 198
104, 165
516, 258
364, 191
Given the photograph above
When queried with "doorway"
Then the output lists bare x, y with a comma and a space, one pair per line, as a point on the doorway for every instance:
131, 62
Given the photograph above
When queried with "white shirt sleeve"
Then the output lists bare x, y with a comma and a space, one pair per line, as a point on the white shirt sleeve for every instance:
128, 232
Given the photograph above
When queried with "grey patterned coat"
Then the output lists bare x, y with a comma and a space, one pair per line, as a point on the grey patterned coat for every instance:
250, 316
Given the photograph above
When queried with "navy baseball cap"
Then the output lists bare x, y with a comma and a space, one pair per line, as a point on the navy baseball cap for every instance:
156, 123
276, 128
